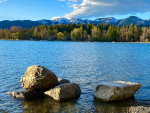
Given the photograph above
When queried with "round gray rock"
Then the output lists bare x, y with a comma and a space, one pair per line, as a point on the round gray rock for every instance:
38, 78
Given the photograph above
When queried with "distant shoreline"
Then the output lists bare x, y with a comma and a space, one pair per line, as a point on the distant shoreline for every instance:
74, 41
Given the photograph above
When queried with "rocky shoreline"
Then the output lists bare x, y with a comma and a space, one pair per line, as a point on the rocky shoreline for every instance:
38, 81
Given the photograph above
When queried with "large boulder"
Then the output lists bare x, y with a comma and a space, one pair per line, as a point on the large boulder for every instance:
114, 91
64, 92
38, 78
63, 81
27, 94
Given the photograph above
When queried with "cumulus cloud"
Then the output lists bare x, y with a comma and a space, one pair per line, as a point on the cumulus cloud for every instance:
2, 1
96, 8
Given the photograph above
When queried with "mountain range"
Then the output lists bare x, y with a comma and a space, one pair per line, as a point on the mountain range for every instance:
109, 20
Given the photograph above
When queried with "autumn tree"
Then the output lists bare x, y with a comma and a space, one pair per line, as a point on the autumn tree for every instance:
60, 36
96, 33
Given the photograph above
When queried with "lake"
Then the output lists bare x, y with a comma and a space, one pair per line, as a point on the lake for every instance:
84, 63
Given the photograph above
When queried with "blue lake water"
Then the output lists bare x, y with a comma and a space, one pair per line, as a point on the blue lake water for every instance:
85, 63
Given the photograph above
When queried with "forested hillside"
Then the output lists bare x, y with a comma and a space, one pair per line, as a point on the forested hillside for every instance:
79, 32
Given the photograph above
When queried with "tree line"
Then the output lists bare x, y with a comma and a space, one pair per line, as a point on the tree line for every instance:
76, 32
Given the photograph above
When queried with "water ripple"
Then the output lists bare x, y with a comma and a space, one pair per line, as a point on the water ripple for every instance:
84, 63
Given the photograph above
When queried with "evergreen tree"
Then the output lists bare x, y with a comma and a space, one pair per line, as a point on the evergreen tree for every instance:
131, 32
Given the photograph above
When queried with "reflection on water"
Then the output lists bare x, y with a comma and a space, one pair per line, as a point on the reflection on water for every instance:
126, 106
84, 63
48, 105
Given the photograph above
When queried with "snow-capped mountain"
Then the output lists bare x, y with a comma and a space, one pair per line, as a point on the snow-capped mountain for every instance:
132, 19
61, 21
109, 20
68, 21
45, 22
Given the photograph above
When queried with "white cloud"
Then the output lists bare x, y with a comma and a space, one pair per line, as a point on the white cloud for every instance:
96, 8
53, 18
2, 1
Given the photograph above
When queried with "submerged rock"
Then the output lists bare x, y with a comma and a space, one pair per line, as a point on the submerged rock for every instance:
17, 95
126, 106
114, 91
63, 81
64, 92
27, 94
38, 78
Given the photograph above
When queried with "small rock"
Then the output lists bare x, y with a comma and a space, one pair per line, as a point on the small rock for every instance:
63, 81
38, 78
27, 94
17, 95
114, 91
64, 92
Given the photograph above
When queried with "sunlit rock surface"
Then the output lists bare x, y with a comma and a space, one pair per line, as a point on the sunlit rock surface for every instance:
64, 92
38, 78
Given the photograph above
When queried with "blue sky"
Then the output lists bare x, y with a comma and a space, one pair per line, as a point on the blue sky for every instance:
47, 9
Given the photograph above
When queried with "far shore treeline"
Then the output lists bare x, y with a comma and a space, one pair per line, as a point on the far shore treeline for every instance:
76, 32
